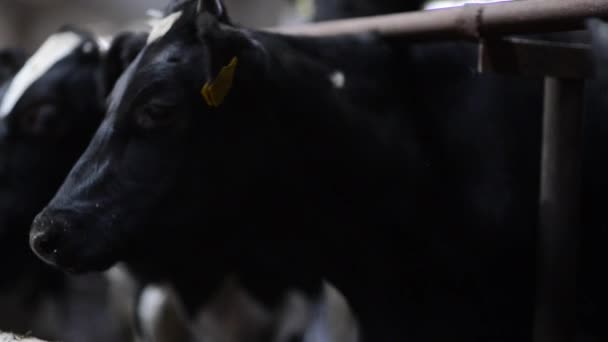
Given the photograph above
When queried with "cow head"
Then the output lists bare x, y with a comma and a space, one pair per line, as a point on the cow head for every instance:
171, 121
48, 113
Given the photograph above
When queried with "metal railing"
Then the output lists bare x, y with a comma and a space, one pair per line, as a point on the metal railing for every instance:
468, 22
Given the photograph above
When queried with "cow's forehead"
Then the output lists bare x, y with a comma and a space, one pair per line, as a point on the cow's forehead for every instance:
150, 61
120, 88
55, 48
148, 67
151, 56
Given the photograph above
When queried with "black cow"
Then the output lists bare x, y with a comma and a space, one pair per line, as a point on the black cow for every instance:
49, 112
405, 179
35, 292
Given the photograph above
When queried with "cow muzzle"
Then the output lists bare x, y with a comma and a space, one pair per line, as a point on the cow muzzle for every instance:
48, 235
59, 240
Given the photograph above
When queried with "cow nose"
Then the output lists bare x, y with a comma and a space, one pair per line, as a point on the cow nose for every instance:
44, 245
46, 236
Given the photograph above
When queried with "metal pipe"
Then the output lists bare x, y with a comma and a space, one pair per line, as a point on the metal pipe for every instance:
469, 22
559, 212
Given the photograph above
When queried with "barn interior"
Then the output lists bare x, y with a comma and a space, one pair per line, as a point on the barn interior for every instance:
563, 71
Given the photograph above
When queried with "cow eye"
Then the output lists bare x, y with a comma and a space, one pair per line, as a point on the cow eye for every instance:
153, 115
39, 120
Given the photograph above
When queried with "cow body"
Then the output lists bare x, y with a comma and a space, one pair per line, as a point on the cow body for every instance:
334, 158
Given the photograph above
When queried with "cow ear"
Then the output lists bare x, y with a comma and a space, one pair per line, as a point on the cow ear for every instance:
214, 8
599, 39
123, 50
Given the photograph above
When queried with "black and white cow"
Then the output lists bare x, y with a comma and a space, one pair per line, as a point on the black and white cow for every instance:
318, 163
408, 181
37, 298
48, 114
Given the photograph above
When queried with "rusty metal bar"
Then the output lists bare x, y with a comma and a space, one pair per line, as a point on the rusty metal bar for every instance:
469, 22
559, 211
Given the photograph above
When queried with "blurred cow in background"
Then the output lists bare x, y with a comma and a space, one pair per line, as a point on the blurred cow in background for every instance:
48, 112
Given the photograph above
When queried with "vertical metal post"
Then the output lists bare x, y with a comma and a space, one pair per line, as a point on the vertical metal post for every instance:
555, 317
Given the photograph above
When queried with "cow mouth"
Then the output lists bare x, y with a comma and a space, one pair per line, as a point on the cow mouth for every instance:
55, 257
48, 256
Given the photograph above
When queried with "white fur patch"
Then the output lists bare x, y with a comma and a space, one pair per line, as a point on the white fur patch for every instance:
334, 319
151, 304
338, 79
160, 27
13, 338
54, 49
104, 43
437, 4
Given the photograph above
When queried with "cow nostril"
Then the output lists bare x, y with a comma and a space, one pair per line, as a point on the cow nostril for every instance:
44, 245
45, 236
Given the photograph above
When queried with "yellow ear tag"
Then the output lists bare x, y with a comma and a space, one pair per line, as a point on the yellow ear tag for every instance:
214, 92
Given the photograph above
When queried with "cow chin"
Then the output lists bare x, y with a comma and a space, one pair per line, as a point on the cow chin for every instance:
60, 240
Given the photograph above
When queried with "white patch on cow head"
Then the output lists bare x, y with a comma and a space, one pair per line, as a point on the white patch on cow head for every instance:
160, 27
338, 79
54, 49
